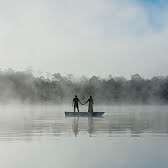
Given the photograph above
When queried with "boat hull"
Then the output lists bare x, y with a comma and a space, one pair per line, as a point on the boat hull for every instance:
83, 114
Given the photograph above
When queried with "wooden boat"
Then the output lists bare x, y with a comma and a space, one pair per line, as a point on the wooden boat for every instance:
84, 114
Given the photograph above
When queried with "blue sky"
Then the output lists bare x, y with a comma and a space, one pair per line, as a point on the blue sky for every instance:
91, 37
152, 1
155, 8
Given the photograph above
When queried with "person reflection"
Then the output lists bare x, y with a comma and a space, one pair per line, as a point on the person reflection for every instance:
90, 125
75, 126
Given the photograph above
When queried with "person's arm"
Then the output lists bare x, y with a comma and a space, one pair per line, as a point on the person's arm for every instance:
86, 101
81, 102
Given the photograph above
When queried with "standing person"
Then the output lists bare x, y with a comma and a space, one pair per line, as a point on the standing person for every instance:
90, 106
75, 103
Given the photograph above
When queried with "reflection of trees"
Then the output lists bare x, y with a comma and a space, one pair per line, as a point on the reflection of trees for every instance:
50, 125
133, 123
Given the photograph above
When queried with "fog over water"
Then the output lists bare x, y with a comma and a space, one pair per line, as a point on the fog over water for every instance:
41, 136
40, 122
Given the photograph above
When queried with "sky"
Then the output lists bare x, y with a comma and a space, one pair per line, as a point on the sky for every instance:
91, 37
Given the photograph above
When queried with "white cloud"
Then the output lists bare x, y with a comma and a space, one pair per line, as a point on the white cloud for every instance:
84, 37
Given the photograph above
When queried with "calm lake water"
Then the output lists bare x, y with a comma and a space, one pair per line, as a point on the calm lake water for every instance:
40, 136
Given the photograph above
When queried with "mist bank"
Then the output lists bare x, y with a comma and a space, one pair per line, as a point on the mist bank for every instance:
24, 87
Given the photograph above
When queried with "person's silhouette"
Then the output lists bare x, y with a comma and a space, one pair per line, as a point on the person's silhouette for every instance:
75, 103
90, 106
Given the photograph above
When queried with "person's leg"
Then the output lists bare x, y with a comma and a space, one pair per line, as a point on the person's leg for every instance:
89, 108
74, 108
78, 108
92, 108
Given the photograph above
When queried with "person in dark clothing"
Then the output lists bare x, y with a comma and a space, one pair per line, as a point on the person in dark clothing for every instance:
75, 103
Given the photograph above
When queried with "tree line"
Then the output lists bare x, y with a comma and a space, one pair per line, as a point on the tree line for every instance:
25, 87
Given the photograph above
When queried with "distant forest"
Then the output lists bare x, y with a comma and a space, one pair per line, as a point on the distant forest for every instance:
25, 87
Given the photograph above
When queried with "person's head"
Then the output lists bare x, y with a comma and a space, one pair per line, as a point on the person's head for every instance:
76, 96
90, 97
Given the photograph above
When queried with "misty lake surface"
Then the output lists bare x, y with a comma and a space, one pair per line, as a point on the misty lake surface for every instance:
40, 136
